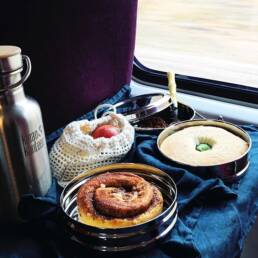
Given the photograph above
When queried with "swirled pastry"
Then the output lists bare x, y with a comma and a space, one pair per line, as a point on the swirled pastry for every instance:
203, 146
116, 200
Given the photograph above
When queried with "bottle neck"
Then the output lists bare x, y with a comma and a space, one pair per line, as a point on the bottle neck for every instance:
12, 96
8, 79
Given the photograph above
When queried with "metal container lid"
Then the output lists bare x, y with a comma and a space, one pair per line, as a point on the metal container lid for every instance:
142, 106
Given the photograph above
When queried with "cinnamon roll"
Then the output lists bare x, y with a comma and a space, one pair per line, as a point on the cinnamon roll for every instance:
116, 200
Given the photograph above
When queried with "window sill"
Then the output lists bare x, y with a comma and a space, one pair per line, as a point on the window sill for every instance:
210, 108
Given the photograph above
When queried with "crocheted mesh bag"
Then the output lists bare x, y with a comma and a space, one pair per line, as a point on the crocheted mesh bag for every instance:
76, 151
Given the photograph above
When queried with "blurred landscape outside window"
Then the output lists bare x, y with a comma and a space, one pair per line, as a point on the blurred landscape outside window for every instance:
212, 39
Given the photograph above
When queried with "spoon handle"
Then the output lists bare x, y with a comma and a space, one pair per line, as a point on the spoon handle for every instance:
172, 87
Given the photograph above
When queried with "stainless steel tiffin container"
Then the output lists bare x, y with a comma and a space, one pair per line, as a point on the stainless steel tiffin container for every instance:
229, 171
139, 108
121, 239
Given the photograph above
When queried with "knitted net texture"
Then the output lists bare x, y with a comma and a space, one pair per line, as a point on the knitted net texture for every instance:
76, 151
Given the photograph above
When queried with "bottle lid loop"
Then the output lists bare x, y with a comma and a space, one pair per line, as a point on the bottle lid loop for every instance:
25, 76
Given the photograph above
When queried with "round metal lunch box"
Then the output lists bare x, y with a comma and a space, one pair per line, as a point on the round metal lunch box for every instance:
122, 239
229, 171
138, 108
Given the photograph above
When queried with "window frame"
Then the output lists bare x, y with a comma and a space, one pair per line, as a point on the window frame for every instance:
228, 92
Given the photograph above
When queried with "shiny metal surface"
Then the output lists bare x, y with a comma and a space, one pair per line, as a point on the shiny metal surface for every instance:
183, 113
123, 239
140, 107
230, 171
24, 164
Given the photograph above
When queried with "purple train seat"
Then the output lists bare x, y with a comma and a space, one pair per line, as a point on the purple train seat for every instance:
81, 51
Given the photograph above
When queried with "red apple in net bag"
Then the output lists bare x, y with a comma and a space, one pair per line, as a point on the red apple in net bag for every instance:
106, 131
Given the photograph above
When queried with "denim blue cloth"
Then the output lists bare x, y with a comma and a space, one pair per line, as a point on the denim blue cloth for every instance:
214, 218
213, 222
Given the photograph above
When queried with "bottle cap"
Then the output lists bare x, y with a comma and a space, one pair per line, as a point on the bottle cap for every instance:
10, 59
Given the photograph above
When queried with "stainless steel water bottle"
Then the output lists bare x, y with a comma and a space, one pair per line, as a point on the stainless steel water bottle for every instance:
24, 164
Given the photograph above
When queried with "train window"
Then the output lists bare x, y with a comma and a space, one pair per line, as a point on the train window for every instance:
211, 45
